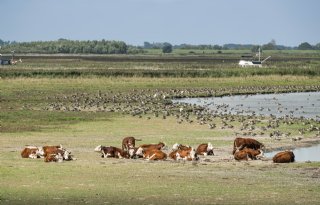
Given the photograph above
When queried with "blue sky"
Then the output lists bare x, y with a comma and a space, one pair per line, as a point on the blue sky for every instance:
288, 22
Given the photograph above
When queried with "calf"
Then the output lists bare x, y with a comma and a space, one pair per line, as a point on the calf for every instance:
32, 152
247, 153
187, 154
205, 149
241, 143
284, 157
129, 142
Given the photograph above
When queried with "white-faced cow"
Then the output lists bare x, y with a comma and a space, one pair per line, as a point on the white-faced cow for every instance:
129, 142
151, 154
205, 149
241, 143
111, 152
185, 154
32, 152
284, 157
56, 150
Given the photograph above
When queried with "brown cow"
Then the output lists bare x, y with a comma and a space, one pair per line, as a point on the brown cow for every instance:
109, 152
158, 146
177, 146
241, 143
186, 154
247, 153
32, 152
284, 157
51, 149
129, 142
205, 149
53, 158
153, 154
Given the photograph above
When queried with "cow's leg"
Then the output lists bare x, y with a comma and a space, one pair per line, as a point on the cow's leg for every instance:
205, 154
152, 157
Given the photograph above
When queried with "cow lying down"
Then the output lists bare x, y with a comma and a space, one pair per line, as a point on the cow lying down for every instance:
49, 153
111, 152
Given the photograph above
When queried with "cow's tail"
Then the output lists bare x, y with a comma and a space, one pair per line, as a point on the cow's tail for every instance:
138, 139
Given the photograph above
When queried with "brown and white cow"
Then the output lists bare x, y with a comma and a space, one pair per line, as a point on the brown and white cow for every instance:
247, 153
32, 152
205, 149
129, 142
55, 150
111, 152
284, 157
152, 154
241, 143
53, 158
185, 154
51, 149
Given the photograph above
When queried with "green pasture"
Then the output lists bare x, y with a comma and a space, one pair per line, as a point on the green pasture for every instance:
27, 89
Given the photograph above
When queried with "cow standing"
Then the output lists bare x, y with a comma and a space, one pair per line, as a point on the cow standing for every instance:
241, 143
129, 142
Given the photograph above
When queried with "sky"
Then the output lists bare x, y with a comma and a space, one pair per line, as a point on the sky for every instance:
288, 22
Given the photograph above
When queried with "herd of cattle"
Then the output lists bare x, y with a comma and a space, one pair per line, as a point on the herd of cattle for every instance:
243, 149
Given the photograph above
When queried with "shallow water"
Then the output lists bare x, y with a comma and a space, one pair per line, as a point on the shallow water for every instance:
304, 104
302, 154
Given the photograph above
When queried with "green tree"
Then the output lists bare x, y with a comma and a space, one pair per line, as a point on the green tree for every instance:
167, 48
305, 46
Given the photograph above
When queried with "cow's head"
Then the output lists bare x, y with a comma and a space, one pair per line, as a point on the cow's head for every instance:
40, 152
98, 148
66, 155
193, 155
132, 152
59, 157
175, 146
210, 147
261, 155
140, 151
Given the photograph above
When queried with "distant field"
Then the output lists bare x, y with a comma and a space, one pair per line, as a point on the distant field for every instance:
297, 63
35, 101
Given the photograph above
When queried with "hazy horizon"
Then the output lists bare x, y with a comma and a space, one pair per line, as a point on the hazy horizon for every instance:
288, 22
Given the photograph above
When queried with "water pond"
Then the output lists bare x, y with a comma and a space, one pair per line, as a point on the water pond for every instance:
302, 154
304, 104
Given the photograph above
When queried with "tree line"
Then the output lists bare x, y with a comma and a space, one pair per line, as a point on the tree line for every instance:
65, 46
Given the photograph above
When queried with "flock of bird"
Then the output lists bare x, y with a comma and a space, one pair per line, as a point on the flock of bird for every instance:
158, 104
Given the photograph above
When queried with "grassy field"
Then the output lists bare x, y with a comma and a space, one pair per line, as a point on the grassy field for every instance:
26, 118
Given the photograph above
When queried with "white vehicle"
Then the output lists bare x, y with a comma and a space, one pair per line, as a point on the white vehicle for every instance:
246, 63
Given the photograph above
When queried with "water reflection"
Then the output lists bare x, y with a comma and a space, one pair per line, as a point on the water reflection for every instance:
296, 105
302, 154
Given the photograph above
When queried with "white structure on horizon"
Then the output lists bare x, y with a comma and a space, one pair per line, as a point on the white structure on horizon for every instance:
245, 63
